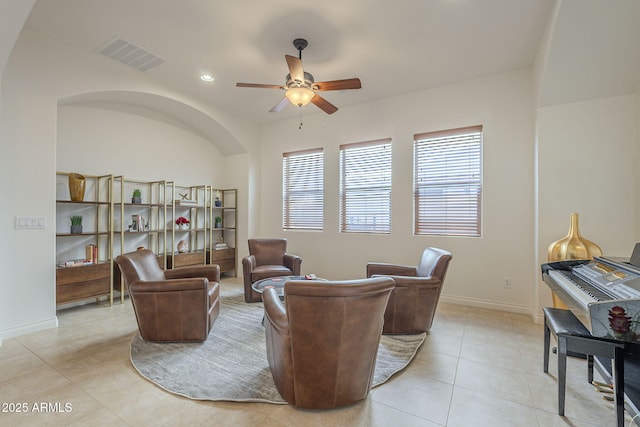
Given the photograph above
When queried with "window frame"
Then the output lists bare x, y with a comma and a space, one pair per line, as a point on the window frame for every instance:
439, 167
303, 190
361, 192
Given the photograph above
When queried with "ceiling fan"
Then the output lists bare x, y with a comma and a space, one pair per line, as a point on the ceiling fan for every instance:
300, 86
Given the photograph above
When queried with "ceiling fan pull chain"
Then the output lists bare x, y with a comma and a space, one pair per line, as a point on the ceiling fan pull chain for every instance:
300, 126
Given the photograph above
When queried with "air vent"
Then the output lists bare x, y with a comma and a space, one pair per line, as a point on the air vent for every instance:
129, 54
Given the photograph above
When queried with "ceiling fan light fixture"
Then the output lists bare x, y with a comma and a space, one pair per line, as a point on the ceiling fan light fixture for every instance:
299, 95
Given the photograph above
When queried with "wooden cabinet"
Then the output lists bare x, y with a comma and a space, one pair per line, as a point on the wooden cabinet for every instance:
80, 283
182, 260
225, 258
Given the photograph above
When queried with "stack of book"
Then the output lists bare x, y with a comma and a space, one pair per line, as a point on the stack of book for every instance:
74, 263
220, 246
92, 253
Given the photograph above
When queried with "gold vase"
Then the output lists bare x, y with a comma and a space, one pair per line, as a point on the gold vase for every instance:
572, 246
76, 187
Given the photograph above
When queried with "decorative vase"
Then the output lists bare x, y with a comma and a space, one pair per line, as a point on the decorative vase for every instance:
76, 229
77, 184
572, 246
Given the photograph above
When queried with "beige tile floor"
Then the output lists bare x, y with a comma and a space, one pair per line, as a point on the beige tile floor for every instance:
477, 368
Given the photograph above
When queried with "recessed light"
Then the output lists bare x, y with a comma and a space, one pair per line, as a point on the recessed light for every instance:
206, 77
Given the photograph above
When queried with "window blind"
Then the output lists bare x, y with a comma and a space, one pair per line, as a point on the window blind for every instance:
365, 187
303, 190
448, 182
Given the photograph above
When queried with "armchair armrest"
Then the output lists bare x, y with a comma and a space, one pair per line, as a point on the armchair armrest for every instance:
274, 311
249, 263
410, 281
211, 272
390, 269
191, 284
293, 263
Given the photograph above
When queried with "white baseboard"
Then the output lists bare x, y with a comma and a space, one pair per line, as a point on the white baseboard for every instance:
492, 305
28, 328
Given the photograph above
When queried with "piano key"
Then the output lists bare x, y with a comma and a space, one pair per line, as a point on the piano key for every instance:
568, 283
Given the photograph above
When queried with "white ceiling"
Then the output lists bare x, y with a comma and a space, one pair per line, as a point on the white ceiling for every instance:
393, 47
594, 51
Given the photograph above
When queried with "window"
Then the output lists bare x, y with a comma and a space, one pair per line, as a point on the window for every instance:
302, 190
365, 187
448, 182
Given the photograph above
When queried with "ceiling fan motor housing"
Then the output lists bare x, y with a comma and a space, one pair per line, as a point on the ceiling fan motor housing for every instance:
308, 81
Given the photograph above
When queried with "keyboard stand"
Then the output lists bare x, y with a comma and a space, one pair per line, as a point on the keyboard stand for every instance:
631, 382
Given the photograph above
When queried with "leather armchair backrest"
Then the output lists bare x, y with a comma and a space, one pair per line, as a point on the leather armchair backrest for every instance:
140, 265
434, 263
268, 251
335, 329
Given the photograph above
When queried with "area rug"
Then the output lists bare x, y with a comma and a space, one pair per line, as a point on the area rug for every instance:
232, 364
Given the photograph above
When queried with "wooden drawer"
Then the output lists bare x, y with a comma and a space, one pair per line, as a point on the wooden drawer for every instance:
65, 276
82, 290
226, 264
181, 260
222, 254
78, 283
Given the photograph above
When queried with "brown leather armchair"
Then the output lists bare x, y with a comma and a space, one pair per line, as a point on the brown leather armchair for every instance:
171, 305
322, 347
413, 302
267, 258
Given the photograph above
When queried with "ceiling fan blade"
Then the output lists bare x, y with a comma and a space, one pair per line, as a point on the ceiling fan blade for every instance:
344, 84
323, 104
280, 105
258, 85
295, 68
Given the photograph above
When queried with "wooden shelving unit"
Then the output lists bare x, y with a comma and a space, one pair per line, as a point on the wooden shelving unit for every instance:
90, 280
119, 225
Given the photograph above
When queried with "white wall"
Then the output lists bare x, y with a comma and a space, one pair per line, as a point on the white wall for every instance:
503, 104
12, 17
587, 164
637, 175
138, 143
13, 14
28, 130
28, 166
236, 175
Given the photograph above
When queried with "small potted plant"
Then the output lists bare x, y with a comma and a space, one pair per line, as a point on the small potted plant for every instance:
76, 224
218, 222
136, 197
182, 223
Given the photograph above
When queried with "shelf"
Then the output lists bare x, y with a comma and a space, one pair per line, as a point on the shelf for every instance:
72, 202
83, 265
88, 233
